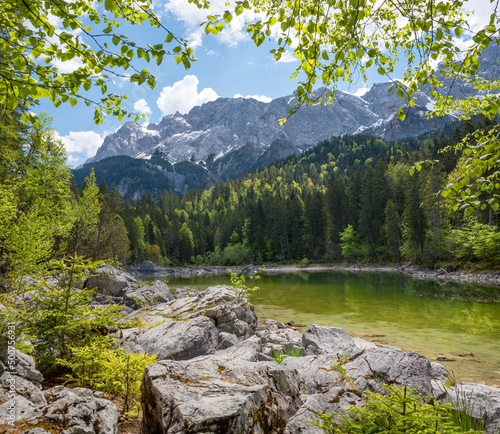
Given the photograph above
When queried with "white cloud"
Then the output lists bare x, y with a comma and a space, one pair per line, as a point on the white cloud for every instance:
211, 53
192, 17
480, 13
184, 95
142, 106
196, 38
72, 159
287, 57
261, 98
68, 65
87, 142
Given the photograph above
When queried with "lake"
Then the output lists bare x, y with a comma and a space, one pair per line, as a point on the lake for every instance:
461, 322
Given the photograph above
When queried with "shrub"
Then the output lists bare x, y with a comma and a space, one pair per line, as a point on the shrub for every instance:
99, 366
400, 411
56, 314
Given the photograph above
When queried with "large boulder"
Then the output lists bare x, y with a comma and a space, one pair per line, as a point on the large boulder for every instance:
249, 349
277, 337
156, 293
316, 373
181, 340
69, 411
479, 400
218, 395
19, 383
336, 399
75, 411
384, 364
230, 314
111, 281
235, 316
329, 340
147, 266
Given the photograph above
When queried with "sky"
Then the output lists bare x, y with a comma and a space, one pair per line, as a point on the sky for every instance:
229, 65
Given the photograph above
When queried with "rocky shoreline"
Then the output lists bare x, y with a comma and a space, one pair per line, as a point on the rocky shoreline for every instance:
412, 270
218, 370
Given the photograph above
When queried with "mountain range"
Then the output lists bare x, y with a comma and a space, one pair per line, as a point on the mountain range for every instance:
228, 137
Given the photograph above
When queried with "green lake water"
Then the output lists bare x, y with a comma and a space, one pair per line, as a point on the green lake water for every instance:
456, 321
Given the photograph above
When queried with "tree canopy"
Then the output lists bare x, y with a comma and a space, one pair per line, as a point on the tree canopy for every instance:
36, 36
335, 39
339, 40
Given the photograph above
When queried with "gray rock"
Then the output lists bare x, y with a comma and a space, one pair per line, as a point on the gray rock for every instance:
286, 338
329, 340
480, 401
227, 340
24, 366
181, 340
23, 387
147, 266
16, 409
384, 364
218, 395
213, 296
249, 349
234, 316
111, 281
337, 400
35, 431
316, 373
156, 293
69, 411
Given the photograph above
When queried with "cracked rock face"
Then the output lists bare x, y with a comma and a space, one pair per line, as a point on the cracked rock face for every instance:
218, 394
482, 400
329, 340
336, 399
69, 411
181, 340
384, 364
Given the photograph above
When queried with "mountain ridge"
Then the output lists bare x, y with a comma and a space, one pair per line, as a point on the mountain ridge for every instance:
229, 137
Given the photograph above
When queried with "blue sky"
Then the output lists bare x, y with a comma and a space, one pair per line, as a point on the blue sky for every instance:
228, 65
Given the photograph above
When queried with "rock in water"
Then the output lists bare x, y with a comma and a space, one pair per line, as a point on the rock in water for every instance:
147, 266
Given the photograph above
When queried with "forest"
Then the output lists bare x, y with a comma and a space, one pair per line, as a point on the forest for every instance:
347, 199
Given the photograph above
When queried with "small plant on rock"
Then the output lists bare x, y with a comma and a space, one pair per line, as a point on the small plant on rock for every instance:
238, 282
281, 355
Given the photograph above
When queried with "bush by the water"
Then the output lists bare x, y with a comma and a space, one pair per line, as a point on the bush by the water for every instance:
401, 410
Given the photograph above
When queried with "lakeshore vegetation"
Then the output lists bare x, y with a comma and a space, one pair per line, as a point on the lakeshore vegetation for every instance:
351, 198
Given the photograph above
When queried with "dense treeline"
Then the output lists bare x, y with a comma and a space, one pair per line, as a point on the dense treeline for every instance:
350, 197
